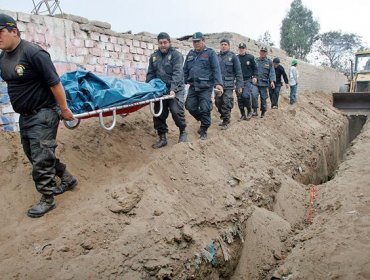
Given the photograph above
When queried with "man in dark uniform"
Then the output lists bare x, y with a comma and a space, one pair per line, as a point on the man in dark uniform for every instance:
202, 72
266, 77
166, 64
35, 90
274, 93
249, 98
232, 78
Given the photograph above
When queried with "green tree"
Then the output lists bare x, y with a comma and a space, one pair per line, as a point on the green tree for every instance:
334, 49
298, 30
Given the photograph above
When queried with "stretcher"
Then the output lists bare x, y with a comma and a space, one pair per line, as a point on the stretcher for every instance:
123, 111
89, 95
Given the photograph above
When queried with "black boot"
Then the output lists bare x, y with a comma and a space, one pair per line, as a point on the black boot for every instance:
225, 125
202, 133
162, 141
249, 115
255, 112
67, 183
183, 137
45, 205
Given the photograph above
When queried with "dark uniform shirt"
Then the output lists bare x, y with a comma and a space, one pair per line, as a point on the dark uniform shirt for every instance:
230, 70
280, 71
29, 73
168, 68
202, 70
266, 72
249, 67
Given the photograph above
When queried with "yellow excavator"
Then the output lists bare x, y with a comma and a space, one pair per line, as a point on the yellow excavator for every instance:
353, 98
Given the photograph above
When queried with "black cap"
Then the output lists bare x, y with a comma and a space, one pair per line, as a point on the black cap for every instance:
263, 49
7, 22
242, 46
197, 36
225, 41
163, 35
276, 60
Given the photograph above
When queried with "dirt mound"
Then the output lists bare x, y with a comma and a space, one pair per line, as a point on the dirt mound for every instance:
175, 213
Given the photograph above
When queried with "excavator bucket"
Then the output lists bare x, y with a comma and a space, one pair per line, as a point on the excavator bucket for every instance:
352, 103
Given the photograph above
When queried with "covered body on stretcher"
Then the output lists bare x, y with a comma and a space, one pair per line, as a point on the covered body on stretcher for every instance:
89, 95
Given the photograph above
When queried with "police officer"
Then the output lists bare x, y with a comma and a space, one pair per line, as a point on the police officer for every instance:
249, 98
274, 93
232, 79
166, 64
266, 77
202, 72
35, 90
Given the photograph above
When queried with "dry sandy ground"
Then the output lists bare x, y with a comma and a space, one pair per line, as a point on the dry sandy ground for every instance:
181, 212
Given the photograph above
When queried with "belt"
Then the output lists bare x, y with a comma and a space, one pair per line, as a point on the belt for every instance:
35, 112
28, 114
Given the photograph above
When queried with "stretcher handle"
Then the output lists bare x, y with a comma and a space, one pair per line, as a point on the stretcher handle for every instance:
72, 124
101, 120
160, 108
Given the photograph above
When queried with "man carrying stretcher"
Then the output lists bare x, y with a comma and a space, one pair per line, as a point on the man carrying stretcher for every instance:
166, 64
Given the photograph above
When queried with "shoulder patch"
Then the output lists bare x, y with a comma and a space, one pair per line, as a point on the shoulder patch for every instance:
19, 69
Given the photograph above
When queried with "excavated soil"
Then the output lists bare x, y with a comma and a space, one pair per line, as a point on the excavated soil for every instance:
232, 206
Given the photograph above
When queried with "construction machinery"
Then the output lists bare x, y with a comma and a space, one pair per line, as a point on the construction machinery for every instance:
353, 98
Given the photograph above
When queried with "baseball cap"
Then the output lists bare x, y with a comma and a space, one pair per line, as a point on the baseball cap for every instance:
7, 21
294, 62
197, 36
263, 49
242, 46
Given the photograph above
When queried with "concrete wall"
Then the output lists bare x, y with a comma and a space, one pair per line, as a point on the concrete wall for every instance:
75, 42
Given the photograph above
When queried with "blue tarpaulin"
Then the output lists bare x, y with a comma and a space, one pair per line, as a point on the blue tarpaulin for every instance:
87, 92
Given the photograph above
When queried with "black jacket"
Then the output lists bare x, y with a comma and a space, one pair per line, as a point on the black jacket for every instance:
168, 68
248, 65
280, 71
202, 70
230, 70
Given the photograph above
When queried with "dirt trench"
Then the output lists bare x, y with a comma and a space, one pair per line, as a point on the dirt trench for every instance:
274, 234
187, 211
336, 245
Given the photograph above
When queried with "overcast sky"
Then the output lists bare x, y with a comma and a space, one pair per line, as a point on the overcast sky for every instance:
184, 17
